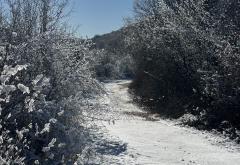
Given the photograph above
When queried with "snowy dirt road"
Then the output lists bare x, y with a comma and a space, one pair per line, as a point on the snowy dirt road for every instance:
151, 140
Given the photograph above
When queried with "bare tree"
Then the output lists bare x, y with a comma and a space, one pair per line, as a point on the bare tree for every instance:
31, 17
51, 12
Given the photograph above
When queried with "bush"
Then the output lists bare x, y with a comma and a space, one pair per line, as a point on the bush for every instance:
109, 66
187, 58
43, 101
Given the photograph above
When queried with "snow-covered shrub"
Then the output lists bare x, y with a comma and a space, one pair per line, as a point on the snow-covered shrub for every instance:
187, 57
46, 85
23, 130
109, 65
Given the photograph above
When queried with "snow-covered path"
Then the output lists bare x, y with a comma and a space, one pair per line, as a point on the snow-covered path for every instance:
151, 140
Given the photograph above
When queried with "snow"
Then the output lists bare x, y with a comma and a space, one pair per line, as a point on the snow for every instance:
46, 128
50, 145
23, 88
151, 140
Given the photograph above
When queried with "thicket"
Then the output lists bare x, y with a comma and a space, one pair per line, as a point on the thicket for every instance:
113, 62
46, 83
187, 57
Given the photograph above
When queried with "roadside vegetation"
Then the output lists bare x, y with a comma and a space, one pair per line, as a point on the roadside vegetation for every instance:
46, 84
114, 62
186, 55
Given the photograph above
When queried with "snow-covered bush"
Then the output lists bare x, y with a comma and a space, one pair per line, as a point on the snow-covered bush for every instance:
46, 85
110, 65
187, 58
24, 131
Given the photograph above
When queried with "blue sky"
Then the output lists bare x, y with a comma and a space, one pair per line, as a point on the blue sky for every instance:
99, 16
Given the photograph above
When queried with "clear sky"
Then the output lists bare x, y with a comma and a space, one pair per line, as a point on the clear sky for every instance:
99, 16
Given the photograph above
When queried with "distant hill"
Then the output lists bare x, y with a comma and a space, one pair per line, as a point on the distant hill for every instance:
113, 42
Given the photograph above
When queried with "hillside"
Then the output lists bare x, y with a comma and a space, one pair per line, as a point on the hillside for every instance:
112, 42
